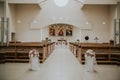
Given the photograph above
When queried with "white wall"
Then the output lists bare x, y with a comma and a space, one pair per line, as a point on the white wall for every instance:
97, 15
50, 14
100, 1
26, 14
10, 13
23, 1
113, 16
33, 20
118, 10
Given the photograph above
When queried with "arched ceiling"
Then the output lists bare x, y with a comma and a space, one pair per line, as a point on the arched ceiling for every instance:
81, 1
67, 17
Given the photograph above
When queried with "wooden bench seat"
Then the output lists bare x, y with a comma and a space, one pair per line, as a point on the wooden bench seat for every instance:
18, 52
105, 53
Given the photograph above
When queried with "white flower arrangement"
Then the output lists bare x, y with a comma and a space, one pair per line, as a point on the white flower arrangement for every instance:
33, 53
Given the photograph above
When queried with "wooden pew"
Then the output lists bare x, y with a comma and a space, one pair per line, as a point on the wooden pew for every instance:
105, 53
18, 52
9, 53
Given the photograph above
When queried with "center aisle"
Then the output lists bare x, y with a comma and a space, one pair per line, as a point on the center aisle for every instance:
63, 65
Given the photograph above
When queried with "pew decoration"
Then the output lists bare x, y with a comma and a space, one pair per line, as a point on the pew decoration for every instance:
34, 53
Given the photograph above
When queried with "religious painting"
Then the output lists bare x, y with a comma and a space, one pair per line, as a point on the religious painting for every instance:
52, 31
60, 30
69, 30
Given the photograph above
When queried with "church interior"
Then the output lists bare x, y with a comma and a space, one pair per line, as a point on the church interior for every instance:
50, 39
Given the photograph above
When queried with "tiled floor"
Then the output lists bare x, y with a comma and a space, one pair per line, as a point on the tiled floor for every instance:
61, 65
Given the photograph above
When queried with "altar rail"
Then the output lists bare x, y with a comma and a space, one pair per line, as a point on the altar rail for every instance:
18, 52
105, 53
